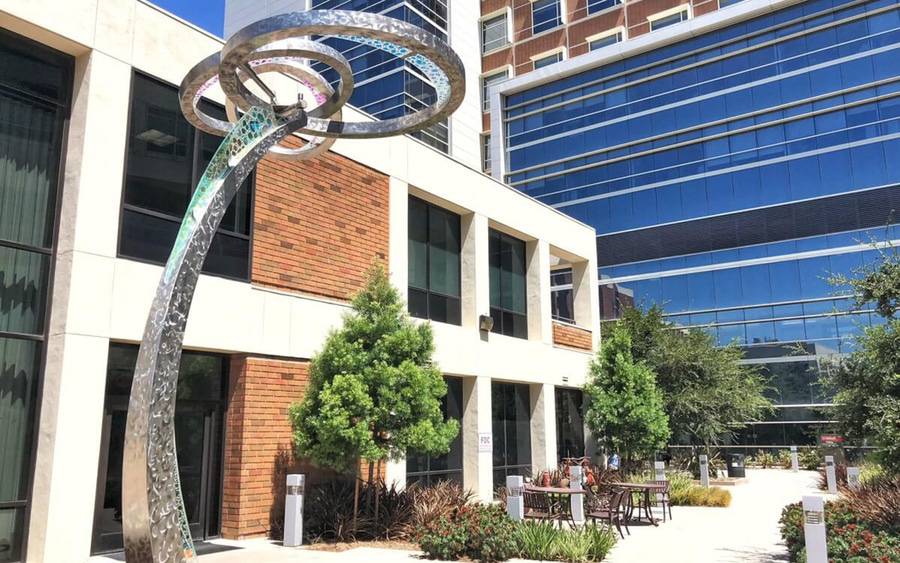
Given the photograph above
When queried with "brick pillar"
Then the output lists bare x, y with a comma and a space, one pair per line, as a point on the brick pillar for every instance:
258, 448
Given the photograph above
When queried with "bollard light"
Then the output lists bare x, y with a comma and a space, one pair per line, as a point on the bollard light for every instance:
576, 478
814, 529
830, 477
293, 510
515, 503
704, 471
853, 477
795, 461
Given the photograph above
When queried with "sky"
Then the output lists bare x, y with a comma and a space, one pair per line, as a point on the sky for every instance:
207, 14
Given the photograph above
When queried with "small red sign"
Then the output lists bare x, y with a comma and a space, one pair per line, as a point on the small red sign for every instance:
831, 439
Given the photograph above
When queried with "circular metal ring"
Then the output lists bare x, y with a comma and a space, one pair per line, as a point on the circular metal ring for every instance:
285, 58
326, 98
421, 49
195, 83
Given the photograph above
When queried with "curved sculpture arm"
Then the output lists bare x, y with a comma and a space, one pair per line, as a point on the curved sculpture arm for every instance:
154, 523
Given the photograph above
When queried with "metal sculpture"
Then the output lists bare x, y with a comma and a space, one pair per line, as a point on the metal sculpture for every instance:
154, 522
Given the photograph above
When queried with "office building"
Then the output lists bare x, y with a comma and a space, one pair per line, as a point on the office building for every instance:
387, 87
730, 164
96, 168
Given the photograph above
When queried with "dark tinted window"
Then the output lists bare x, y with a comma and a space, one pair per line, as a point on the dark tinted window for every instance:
166, 159
511, 428
448, 467
507, 273
434, 246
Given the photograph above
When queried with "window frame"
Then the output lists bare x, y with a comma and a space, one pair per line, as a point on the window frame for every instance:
560, 16
491, 18
682, 10
617, 32
592, 9
428, 291
497, 328
541, 60
486, 152
64, 104
485, 91
196, 174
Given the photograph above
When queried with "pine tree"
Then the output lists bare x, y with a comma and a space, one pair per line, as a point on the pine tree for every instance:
374, 392
625, 409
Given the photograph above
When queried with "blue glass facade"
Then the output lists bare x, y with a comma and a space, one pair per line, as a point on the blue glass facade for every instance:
728, 175
387, 87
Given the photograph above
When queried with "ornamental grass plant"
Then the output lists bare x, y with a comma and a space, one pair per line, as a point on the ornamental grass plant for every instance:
542, 541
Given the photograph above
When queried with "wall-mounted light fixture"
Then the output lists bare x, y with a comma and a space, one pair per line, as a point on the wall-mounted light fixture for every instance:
485, 322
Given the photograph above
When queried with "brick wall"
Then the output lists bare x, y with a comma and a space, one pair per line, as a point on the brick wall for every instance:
318, 224
571, 336
258, 442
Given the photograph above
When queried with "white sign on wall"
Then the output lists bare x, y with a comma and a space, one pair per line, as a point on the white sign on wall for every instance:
485, 442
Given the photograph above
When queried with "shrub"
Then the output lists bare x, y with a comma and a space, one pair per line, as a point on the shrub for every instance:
602, 539
480, 532
783, 459
574, 546
444, 539
852, 538
401, 514
537, 540
877, 502
684, 492
809, 459
765, 459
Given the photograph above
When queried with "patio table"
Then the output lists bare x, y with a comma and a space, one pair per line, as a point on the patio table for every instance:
645, 489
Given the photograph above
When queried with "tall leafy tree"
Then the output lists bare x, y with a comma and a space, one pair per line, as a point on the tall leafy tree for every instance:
707, 391
866, 384
625, 409
374, 391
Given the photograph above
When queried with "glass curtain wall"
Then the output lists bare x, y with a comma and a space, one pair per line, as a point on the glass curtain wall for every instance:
434, 246
569, 423
507, 282
35, 86
511, 426
199, 420
728, 175
448, 467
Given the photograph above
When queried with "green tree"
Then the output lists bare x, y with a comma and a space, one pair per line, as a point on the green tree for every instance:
374, 392
866, 383
625, 409
708, 393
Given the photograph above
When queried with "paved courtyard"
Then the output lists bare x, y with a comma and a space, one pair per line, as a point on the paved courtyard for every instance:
747, 531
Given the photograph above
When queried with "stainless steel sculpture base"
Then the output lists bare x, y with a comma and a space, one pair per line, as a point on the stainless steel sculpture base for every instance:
154, 523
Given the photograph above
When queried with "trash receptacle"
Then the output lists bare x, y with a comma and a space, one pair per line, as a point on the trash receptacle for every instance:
735, 465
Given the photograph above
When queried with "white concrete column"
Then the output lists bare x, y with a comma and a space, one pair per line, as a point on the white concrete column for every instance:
585, 297
71, 418
537, 287
543, 427
478, 462
475, 270
398, 245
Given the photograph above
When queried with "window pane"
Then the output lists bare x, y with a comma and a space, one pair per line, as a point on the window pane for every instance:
486, 83
29, 159
547, 61
418, 243
444, 251
569, 423
19, 365
493, 33
23, 278
604, 41
12, 521
545, 15
160, 150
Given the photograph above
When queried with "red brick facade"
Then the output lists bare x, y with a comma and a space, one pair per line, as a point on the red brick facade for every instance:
571, 336
258, 441
318, 224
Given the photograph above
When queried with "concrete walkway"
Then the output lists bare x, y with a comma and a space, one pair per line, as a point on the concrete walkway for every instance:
745, 532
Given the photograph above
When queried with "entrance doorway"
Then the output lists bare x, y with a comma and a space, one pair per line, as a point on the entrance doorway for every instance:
198, 437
